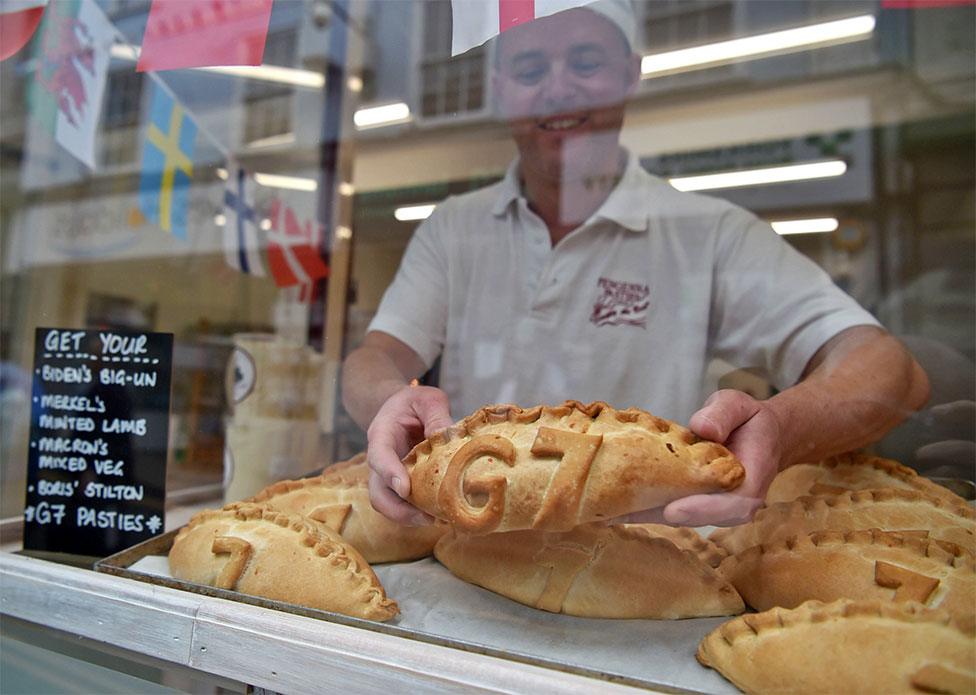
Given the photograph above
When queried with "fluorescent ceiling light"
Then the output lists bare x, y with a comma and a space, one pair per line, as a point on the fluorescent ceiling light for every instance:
272, 73
291, 182
219, 219
800, 38
388, 114
808, 226
414, 212
266, 73
761, 176
272, 140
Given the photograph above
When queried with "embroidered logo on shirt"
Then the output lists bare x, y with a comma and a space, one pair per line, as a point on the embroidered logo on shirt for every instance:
621, 304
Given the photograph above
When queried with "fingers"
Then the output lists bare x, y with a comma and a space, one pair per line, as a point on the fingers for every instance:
432, 409
723, 509
722, 413
384, 458
648, 516
387, 503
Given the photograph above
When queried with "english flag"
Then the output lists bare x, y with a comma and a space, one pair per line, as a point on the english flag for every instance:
476, 21
293, 249
18, 22
184, 34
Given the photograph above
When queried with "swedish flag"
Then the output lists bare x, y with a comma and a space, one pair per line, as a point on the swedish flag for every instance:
167, 163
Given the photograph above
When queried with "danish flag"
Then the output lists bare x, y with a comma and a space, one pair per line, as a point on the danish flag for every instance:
476, 22
293, 249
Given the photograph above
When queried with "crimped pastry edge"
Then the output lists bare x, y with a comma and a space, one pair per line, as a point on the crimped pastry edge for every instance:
310, 536
861, 458
809, 612
648, 538
951, 554
507, 412
896, 470
334, 477
709, 552
855, 497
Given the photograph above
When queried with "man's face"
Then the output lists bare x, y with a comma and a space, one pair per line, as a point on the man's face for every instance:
561, 81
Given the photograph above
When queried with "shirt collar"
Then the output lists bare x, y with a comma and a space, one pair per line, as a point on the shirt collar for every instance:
626, 205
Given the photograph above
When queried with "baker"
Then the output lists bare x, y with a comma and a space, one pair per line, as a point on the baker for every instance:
580, 275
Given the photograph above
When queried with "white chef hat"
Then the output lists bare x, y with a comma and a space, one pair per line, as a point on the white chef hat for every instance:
621, 15
477, 22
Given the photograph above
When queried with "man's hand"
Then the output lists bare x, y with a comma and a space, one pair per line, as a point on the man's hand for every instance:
751, 431
405, 418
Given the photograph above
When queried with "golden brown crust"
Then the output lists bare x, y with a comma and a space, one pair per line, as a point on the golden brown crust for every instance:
886, 509
844, 646
278, 556
687, 539
851, 471
592, 571
553, 468
860, 565
339, 499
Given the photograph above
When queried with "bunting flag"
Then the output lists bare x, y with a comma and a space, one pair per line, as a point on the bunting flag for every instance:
18, 21
293, 249
184, 34
167, 163
476, 21
242, 245
73, 53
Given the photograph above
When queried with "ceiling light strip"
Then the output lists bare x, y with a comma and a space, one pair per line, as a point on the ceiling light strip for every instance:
266, 73
799, 38
761, 176
813, 225
294, 183
376, 116
411, 213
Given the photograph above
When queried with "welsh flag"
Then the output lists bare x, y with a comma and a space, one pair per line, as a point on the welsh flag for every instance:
18, 21
72, 54
476, 21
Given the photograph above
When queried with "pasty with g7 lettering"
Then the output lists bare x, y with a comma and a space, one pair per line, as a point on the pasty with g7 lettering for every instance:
553, 468
339, 499
278, 556
906, 511
861, 565
853, 471
593, 571
845, 647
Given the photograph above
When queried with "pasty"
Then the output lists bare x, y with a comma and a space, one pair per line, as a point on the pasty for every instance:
265, 553
888, 510
845, 647
593, 571
554, 468
854, 471
339, 499
860, 565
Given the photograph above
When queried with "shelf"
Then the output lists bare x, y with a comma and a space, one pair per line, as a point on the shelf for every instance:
264, 648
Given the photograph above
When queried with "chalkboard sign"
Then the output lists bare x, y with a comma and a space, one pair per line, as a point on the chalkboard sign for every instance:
96, 475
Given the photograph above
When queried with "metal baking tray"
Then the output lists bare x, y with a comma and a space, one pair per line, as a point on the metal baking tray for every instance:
438, 608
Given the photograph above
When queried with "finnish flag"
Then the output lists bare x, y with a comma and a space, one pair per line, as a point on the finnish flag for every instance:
242, 235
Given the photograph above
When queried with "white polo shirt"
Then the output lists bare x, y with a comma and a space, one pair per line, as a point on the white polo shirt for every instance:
628, 308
